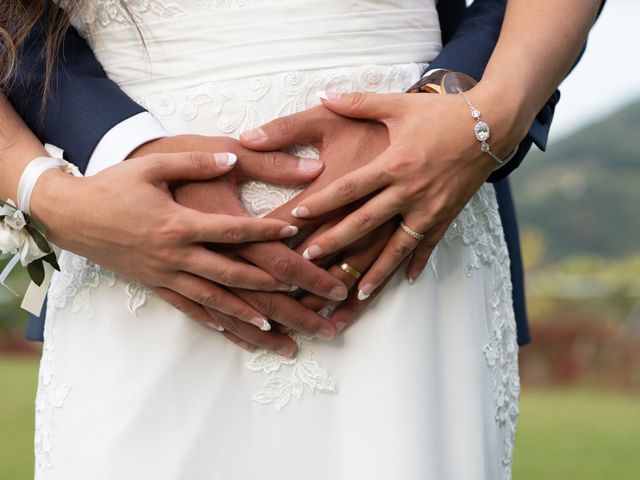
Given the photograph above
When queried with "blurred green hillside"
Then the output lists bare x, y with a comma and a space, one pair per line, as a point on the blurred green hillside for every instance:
582, 197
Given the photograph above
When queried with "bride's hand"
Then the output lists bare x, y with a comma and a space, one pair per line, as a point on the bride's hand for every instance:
126, 219
432, 168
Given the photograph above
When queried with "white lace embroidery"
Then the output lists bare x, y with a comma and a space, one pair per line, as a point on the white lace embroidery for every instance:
231, 4
118, 13
288, 378
136, 296
72, 284
480, 229
236, 106
111, 14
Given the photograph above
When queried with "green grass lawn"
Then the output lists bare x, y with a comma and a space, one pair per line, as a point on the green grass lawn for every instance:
18, 379
563, 434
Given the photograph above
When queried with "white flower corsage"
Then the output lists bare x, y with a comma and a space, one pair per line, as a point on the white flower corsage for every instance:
23, 236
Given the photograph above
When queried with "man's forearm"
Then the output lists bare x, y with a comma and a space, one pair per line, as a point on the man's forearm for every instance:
83, 104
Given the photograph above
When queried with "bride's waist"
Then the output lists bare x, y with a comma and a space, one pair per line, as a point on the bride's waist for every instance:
229, 107
185, 51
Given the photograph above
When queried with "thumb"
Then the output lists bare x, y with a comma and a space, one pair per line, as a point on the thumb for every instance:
170, 167
375, 106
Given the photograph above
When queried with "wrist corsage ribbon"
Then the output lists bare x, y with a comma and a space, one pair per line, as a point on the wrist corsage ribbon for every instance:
21, 235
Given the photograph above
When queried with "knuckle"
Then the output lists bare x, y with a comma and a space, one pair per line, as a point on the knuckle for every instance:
356, 99
284, 267
235, 234
347, 189
199, 160
172, 230
400, 251
274, 161
209, 298
363, 220
227, 277
166, 256
285, 125
400, 164
267, 304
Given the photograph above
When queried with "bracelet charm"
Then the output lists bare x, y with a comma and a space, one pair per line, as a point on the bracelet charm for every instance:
481, 130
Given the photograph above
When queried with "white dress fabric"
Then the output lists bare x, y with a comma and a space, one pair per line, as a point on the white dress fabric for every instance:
424, 386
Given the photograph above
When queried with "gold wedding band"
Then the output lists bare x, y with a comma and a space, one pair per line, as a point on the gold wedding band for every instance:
411, 232
345, 267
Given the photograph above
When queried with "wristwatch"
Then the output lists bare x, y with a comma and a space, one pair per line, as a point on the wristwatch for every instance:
443, 81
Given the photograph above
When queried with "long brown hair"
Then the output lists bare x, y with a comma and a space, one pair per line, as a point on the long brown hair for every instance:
17, 21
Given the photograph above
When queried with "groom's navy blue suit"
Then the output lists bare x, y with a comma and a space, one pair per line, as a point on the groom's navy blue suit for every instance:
85, 105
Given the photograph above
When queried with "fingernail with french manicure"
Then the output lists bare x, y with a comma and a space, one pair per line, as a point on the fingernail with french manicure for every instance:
256, 135
288, 231
338, 293
329, 96
216, 327
340, 326
366, 291
326, 333
225, 159
309, 165
413, 278
285, 287
261, 323
312, 252
300, 212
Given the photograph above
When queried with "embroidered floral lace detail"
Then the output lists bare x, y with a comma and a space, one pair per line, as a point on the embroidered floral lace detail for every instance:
136, 296
480, 229
232, 4
234, 106
72, 284
122, 13
126, 13
288, 378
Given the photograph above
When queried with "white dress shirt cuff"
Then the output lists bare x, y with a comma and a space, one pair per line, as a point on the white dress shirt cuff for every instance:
429, 72
123, 139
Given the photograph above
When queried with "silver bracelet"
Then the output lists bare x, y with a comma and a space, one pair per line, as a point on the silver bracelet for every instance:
481, 130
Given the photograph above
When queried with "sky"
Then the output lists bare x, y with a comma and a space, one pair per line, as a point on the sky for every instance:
608, 75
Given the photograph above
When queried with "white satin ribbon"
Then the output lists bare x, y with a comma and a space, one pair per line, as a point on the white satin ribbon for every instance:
34, 297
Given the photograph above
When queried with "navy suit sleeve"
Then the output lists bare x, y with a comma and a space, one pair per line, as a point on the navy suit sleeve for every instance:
468, 46
83, 104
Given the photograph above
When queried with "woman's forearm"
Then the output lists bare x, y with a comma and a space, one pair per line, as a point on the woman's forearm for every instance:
539, 43
18, 146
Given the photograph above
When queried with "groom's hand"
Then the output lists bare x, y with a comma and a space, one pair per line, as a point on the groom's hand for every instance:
344, 145
221, 195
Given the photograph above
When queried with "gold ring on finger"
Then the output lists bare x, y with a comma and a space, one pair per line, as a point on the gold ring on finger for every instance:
345, 267
411, 232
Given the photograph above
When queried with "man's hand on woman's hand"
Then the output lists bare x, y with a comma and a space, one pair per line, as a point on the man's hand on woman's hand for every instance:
429, 172
126, 219
344, 145
221, 196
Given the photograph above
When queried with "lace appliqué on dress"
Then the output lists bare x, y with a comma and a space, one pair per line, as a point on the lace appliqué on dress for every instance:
136, 296
480, 229
72, 284
288, 378
117, 13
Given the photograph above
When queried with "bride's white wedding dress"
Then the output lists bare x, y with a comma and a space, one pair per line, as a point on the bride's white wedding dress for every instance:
424, 386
